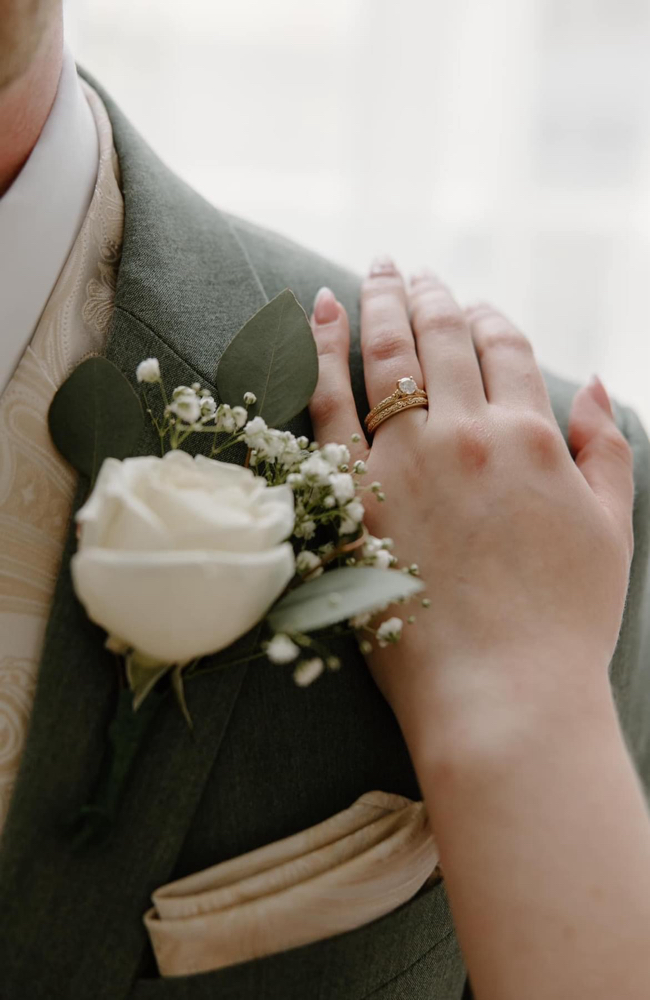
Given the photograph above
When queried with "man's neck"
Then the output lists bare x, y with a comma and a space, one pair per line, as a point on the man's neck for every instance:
25, 104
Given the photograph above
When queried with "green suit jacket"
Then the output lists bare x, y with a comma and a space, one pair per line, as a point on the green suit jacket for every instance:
268, 758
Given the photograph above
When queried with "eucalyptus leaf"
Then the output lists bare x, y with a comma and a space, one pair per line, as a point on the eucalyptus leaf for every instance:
95, 415
338, 595
142, 674
274, 357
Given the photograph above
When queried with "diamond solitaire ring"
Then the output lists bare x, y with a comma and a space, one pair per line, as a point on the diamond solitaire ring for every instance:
406, 395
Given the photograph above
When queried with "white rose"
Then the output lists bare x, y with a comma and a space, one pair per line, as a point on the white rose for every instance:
180, 556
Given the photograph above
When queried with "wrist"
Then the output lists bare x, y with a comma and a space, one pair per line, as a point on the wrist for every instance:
466, 714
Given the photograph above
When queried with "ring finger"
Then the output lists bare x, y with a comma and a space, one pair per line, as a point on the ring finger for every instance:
387, 340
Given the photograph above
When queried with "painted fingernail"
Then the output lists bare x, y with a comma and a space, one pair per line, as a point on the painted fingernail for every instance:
382, 264
326, 307
600, 395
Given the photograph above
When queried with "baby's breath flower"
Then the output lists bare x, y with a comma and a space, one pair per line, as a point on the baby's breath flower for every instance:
374, 553
295, 480
225, 420
389, 631
196, 387
360, 620
182, 390
343, 487
329, 502
347, 526
365, 646
307, 671
204, 392
375, 487
333, 663
387, 543
360, 468
303, 442
307, 562
208, 406
240, 416
425, 602
414, 569
410, 620
335, 454
381, 497
316, 470
289, 450
186, 405
255, 432
282, 649
148, 370
355, 438
305, 529
250, 398
355, 510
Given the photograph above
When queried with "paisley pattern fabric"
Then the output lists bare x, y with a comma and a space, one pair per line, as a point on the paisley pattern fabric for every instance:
36, 484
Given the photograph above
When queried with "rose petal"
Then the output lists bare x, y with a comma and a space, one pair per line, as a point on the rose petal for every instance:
177, 606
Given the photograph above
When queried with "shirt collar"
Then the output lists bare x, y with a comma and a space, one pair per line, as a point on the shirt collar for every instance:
42, 213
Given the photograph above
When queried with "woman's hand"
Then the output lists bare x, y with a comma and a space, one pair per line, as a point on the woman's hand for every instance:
524, 549
501, 687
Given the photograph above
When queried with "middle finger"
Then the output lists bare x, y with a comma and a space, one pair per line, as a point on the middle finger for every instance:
387, 340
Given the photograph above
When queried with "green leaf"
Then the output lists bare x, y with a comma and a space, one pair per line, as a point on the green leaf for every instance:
273, 356
95, 415
338, 595
179, 691
142, 674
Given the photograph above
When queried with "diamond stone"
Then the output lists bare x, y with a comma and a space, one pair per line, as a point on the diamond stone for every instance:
407, 386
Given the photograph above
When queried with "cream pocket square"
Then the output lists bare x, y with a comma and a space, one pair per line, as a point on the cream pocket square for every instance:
354, 867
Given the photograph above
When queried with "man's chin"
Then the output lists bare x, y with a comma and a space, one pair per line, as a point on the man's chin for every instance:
26, 26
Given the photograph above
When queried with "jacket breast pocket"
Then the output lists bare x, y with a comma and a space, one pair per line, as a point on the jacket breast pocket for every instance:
413, 943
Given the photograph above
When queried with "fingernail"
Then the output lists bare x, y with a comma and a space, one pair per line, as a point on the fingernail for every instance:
600, 395
382, 264
326, 307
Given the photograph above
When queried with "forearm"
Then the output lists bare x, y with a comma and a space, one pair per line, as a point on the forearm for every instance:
545, 847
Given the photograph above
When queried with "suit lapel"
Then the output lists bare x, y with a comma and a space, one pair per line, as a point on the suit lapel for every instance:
71, 924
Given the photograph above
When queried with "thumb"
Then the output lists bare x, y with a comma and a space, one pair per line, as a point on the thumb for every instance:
601, 452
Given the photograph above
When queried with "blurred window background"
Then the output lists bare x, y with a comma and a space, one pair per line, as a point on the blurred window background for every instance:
505, 143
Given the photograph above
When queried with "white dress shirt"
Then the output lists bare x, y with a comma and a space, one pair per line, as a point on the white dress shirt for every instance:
41, 214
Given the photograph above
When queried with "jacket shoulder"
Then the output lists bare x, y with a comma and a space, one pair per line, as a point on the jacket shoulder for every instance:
282, 263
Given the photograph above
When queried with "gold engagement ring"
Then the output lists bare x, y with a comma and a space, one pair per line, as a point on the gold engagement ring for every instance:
406, 394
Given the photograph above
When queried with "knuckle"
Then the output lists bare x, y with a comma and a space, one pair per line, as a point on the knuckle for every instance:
472, 445
324, 407
542, 439
384, 344
432, 313
493, 334
441, 320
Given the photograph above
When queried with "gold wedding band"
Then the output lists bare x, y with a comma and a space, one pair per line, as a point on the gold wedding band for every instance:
406, 395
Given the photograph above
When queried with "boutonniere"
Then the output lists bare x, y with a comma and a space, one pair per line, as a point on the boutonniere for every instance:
182, 553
